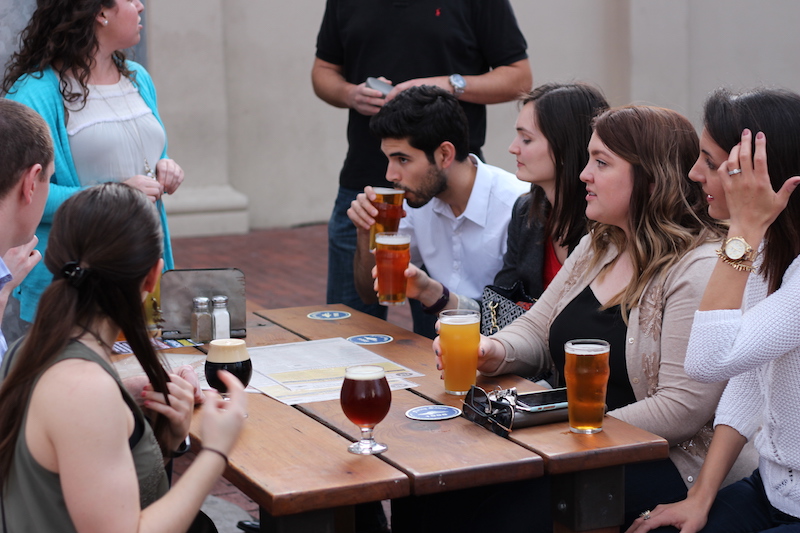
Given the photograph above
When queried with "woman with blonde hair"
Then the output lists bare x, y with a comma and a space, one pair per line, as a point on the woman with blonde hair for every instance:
635, 280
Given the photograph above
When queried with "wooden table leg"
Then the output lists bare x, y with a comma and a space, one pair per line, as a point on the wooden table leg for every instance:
339, 520
589, 500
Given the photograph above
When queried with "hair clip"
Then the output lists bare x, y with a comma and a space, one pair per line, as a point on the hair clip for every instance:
74, 274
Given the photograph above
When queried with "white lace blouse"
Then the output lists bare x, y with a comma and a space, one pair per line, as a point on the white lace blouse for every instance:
115, 132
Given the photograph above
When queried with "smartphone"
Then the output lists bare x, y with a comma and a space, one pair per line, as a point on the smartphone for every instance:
545, 400
382, 86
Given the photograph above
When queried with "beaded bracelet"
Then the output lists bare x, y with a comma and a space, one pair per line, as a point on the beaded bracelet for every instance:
212, 450
440, 303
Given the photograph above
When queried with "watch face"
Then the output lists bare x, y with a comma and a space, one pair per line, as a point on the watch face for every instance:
735, 248
458, 81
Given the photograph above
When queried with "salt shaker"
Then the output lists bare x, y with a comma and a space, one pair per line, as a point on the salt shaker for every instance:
202, 331
221, 317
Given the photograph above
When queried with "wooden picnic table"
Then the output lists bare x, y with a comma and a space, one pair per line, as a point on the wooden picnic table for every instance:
293, 461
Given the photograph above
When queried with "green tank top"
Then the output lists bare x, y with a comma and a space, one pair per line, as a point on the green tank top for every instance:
33, 500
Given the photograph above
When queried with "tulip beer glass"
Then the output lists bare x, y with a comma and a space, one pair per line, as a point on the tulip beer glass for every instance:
459, 337
389, 203
391, 257
230, 355
586, 372
366, 399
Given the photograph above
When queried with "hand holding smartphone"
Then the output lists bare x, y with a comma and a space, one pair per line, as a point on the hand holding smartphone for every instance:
382, 86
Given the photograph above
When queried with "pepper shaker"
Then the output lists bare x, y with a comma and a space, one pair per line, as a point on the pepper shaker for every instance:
202, 331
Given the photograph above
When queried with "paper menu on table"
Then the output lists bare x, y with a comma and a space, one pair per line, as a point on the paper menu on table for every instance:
293, 373
313, 371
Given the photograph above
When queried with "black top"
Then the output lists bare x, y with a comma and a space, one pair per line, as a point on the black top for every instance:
407, 39
583, 319
524, 257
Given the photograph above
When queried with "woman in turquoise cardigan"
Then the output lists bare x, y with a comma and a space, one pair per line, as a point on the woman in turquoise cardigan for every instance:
101, 109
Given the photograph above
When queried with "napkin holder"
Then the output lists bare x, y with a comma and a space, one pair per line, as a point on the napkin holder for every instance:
180, 287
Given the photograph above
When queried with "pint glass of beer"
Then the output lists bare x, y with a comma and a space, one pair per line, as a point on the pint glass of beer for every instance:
366, 399
230, 355
459, 337
392, 256
389, 203
586, 371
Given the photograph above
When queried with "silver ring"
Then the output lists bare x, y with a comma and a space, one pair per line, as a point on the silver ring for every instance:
646, 515
734, 171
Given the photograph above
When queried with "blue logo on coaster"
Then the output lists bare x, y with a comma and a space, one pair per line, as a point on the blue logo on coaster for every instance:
433, 412
329, 315
370, 339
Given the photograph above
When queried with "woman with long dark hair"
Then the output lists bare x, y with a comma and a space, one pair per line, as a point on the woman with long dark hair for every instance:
101, 109
76, 451
747, 330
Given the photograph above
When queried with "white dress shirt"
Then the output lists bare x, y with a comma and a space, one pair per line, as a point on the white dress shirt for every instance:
464, 253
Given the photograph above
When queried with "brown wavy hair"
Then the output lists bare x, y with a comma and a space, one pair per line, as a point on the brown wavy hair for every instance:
61, 35
114, 233
667, 214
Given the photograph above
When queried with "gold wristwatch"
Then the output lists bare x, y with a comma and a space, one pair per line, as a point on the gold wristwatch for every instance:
735, 251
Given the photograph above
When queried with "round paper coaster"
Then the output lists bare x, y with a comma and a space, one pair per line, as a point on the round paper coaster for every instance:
370, 339
329, 315
433, 412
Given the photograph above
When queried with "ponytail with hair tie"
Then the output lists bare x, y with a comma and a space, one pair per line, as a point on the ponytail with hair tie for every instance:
74, 273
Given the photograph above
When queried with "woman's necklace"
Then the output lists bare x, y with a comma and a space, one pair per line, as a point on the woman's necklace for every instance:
99, 340
147, 170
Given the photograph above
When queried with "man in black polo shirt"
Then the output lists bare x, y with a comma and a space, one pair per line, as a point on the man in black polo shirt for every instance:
472, 48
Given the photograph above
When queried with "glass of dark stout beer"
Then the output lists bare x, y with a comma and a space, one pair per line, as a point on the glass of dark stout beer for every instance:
230, 355
366, 399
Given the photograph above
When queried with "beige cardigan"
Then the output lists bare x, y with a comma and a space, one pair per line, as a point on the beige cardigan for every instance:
669, 403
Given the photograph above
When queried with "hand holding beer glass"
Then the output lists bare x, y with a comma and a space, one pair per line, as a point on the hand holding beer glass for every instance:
366, 399
586, 371
392, 255
459, 338
230, 355
389, 203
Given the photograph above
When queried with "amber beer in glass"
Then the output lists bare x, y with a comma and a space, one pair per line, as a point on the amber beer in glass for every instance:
389, 203
459, 337
366, 399
586, 372
230, 355
391, 257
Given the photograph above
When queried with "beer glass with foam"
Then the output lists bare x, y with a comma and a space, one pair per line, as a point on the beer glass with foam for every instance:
389, 203
230, 355
391, 257
366, 399
586, 372
459, 337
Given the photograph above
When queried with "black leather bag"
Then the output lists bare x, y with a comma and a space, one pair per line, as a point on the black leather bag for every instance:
500, 306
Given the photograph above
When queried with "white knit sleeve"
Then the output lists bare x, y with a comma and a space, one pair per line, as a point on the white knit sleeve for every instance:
725, 343
741, 405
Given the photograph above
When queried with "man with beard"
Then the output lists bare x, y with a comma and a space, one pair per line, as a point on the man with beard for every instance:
459, 207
